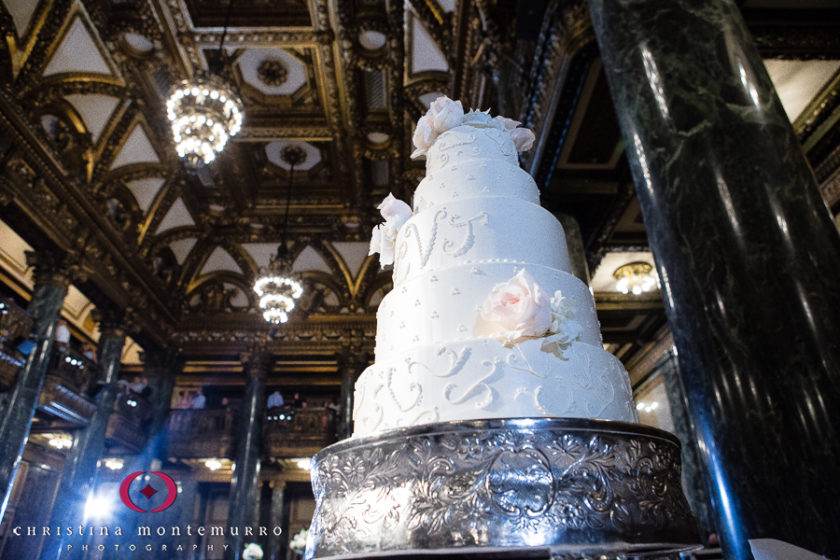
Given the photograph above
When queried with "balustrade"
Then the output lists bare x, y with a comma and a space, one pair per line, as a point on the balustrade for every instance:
15, 324
65, 390
287, 432
301, 432
128, 422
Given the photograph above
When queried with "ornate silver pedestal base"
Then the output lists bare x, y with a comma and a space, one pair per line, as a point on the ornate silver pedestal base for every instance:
574, 488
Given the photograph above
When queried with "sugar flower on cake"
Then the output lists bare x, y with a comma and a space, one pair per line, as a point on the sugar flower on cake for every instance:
522, 138
384, 236
565, 328
443, 114
518, 308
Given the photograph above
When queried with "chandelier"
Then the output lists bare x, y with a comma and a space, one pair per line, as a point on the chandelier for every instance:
636, 277
277, 287
205, 112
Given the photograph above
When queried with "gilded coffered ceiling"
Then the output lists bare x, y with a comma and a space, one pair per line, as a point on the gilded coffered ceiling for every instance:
91, 169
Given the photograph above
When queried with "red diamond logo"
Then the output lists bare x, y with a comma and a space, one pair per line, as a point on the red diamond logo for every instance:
148, 491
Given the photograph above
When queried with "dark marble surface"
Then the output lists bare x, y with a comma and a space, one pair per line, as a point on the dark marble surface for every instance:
244, 484
45, 305
749, 260
276, 549
78, 476
692, 472
574, 242
345, 410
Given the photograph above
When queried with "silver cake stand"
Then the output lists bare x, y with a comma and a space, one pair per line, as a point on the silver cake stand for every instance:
559, 488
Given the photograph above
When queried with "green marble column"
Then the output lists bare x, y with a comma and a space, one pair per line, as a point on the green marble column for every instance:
276, 543
53, 274
574, 242
161, 367
351, 364
749, 260
244, 484
78, 478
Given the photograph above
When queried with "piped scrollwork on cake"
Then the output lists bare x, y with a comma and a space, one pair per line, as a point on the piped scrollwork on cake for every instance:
486, 320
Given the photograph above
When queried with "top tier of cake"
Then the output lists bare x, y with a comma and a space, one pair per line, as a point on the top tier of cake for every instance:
469, 162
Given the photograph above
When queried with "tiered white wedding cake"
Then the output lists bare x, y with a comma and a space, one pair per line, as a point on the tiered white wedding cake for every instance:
485, 319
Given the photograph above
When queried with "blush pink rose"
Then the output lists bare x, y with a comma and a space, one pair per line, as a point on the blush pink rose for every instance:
510, 124
519, 307
522, 138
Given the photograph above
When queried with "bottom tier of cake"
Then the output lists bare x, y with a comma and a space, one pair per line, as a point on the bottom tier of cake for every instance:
484, 379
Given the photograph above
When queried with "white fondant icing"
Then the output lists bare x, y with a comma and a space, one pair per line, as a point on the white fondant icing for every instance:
456, 233
492, 178
483, 379
477, 223
463, 308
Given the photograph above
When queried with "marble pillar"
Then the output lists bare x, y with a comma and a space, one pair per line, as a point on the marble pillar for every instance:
161, 367
692, 472
78, 477
574, 242
350, 365
749, 260
244, 484
276, 543
53, 274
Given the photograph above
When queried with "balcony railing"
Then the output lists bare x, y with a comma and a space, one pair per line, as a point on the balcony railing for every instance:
308, 431
201, 433
194, 434
68, 379
127, 423
15, 324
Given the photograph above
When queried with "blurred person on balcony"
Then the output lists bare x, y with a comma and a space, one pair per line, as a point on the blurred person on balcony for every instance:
275, 400
199, 401
62, 334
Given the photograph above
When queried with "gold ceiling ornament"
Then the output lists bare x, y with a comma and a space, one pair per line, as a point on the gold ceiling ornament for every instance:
205, 113
637, 277
277, 287
272, 72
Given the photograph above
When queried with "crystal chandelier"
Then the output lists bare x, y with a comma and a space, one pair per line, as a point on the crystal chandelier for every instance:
277, 287
636, 277
204, 113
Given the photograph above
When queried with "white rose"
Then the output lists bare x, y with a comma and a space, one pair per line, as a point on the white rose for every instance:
384, 236
424, 136
375, 241
522, 138
445, 114
519, 307
395, 211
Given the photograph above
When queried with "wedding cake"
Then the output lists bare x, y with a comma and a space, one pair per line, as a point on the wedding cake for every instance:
485, 319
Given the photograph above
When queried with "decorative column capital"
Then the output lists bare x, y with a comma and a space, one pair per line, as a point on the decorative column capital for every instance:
256, 361
277, 484
352, 360
55, 267
114, 322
